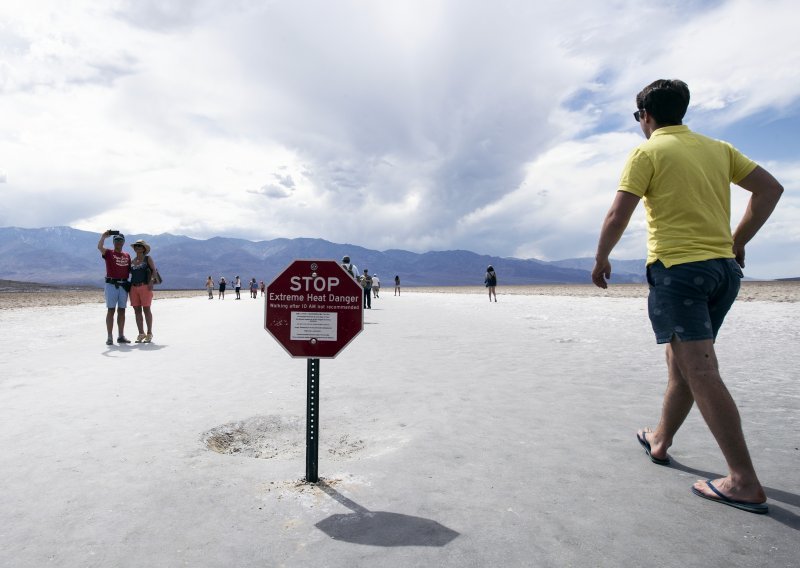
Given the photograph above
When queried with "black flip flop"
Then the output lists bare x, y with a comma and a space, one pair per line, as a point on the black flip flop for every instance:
757, 508
646, 445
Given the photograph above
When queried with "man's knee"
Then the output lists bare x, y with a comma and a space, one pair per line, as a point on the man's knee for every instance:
694, 358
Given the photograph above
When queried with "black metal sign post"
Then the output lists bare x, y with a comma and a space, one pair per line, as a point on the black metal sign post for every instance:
312, 422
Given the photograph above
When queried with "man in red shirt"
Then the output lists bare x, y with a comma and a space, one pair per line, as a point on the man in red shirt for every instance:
118, 269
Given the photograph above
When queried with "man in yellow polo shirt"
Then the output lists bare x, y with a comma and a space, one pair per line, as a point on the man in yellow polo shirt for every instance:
693, 269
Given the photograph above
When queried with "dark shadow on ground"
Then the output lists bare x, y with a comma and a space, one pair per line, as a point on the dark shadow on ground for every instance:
126, 348
777, 513
379, 528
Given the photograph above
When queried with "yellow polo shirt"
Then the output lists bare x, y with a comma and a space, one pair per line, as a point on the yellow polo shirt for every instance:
685, 180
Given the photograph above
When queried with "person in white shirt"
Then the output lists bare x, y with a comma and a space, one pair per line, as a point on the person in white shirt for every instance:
376, 285
351, 268
237, 285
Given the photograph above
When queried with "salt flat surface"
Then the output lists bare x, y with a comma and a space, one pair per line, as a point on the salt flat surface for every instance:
454, 432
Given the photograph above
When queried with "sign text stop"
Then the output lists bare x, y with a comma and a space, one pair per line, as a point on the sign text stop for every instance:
314, 308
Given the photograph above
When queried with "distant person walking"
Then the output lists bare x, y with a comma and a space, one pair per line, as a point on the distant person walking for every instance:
366, 283
118, 269
351, 268
376, 285
222, 285
210, 287
490, 280
143, 270
396, 285
237, 286
263, 287
693, 269
253, 288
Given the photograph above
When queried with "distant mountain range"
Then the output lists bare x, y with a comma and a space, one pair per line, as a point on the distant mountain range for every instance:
66, 256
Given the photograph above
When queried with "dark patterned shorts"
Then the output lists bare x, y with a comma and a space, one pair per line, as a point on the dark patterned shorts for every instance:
689, 301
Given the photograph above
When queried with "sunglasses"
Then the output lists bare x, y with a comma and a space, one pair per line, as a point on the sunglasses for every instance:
638, 115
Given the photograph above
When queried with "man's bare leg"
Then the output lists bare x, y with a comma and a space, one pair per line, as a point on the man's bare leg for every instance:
678, 401
110, 321
121, 321
697, 362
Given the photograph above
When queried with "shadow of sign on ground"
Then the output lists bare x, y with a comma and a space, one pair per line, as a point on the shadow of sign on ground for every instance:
381, 528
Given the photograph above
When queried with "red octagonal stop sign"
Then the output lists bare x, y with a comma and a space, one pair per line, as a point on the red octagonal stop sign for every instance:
314, 308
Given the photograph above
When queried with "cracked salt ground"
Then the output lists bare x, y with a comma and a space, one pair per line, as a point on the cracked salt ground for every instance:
262, 437
283, 437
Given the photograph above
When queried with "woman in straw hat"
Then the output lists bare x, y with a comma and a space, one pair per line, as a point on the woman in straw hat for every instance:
143, 271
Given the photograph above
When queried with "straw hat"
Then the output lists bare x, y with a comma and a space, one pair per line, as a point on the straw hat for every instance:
144, 244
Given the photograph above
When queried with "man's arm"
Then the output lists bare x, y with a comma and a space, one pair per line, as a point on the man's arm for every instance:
617, 219
101, 246
766, 192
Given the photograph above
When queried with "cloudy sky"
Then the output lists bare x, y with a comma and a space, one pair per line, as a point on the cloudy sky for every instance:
495, 126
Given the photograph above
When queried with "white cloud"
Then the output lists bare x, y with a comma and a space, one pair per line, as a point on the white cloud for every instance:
557, 210
774, 250
497, 127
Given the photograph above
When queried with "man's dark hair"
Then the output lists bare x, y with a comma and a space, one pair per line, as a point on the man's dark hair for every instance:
666, 99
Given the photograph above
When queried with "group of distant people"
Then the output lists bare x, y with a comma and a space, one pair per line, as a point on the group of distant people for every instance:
369, 282
128, 277
253, 286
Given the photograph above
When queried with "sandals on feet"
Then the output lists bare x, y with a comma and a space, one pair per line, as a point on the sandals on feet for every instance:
719, 497
646, 445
